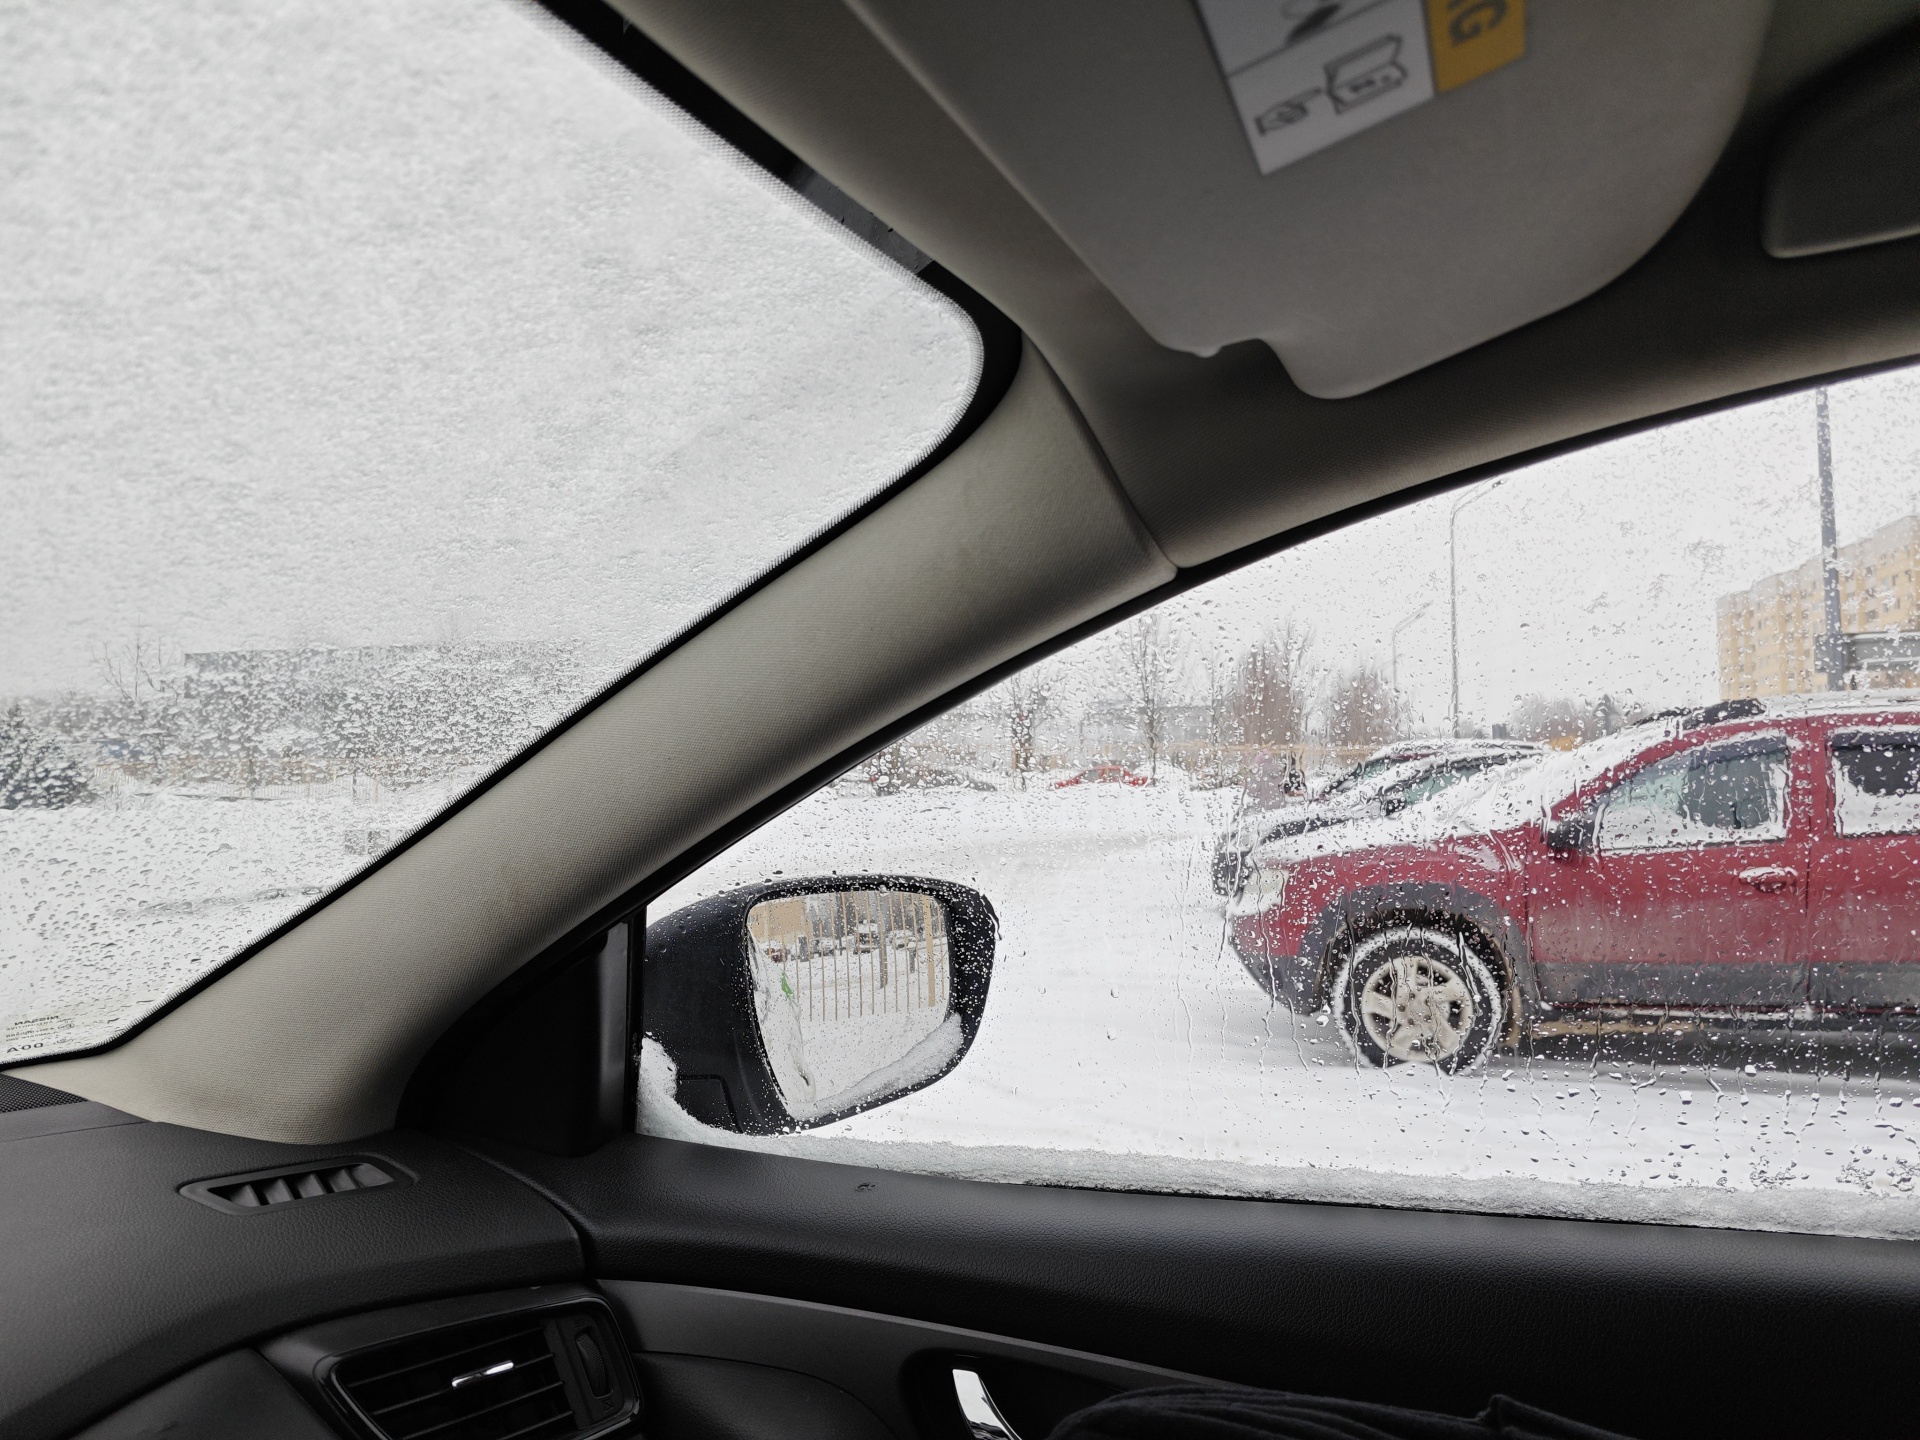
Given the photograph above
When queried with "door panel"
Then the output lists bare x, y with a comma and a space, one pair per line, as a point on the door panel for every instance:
1695, 893
693, 1397
897, 1369
1866, 873
1645, 1329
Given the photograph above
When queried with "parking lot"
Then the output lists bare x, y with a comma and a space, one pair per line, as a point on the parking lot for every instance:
1124, 1045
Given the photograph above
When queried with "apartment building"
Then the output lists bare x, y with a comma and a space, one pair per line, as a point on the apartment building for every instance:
1767, 631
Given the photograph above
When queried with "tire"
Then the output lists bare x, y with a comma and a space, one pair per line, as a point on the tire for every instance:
1410, 996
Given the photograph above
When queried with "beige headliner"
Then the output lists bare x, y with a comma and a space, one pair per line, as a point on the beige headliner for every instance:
1023, 532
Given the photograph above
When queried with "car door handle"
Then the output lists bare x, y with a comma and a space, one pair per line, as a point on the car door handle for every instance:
984, 1420
1770, 877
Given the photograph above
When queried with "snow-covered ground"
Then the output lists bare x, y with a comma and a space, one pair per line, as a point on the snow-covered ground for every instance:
1124, 1045
109, 908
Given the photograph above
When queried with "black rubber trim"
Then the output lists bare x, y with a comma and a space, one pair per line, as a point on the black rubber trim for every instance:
1000, 344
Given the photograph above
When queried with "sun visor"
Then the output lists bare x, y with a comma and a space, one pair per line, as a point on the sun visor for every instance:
1368, 186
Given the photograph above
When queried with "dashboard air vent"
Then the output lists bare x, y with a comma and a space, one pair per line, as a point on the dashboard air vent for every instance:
265, 1189
480, 1382
513, 1378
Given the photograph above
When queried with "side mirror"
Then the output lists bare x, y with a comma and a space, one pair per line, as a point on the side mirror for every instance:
1571, 836
790, 1004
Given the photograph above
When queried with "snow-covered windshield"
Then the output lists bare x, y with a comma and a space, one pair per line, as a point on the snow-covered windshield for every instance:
376, 386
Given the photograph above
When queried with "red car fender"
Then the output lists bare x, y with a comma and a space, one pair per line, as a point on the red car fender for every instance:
1477, 878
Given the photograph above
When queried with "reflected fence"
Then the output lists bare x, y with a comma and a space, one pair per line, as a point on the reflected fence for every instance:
849, 954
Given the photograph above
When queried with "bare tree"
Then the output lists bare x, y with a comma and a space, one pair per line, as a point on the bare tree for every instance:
1151, 661
131, 668
1270, 697
1026, 701
1362, 709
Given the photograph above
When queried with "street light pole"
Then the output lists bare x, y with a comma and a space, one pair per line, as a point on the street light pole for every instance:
1453, 596
1393, 649
1832, 657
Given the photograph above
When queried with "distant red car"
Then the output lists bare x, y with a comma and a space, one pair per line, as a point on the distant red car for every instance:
1104, 775
1754, 858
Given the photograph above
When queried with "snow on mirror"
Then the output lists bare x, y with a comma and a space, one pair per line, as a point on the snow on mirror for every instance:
378, 385
1551, 846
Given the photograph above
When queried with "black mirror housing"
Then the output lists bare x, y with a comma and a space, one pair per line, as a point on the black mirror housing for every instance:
703, 999
1570, 836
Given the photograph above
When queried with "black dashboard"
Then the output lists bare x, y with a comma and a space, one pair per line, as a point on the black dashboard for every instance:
112, 1281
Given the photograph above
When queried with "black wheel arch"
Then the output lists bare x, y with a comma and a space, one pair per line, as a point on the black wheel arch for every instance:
1480, 919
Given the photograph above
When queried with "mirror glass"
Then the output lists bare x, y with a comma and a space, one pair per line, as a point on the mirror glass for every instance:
853, 990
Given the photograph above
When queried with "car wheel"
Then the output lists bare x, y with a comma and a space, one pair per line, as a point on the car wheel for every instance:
1412, 996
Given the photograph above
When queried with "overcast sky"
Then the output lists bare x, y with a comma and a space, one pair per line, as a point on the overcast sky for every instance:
364, 324
1591, 574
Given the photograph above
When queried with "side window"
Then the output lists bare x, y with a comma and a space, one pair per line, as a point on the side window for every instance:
1285, 886
1721, 796
1876, 782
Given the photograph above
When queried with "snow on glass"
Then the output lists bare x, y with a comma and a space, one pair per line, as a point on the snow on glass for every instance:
375, 388
1508, 852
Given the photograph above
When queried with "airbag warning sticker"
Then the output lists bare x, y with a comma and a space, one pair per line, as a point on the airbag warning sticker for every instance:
1306, 74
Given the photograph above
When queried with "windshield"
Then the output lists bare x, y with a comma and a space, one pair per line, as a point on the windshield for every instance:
1366, 770
380, 385
1425, 787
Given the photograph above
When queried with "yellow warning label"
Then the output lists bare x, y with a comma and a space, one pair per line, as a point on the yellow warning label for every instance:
1472, 38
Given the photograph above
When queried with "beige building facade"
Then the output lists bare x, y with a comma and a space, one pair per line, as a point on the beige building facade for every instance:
1767, 631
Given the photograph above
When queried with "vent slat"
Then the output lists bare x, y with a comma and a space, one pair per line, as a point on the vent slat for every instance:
520, 1367
266, 1192
406, 1390
473, 1415
441, 1358
538, 1426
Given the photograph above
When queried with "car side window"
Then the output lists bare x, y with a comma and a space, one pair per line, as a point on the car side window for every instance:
1720, 796
1876, 782
1286, 886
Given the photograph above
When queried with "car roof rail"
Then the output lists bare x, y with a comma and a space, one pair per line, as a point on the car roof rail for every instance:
1723, 710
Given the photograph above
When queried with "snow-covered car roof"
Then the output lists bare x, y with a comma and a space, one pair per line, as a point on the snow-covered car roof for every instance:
1508, 795
1358, 797
1498, 798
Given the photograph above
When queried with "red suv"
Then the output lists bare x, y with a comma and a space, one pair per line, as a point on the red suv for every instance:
1752, 858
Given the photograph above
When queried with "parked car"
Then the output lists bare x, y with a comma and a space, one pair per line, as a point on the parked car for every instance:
1383, 784
1103, 775
1750, 858
1388, 757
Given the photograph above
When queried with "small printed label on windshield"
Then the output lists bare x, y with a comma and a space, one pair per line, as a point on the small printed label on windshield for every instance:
1306, 74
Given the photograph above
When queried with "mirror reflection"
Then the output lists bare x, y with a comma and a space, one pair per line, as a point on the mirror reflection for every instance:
853, 990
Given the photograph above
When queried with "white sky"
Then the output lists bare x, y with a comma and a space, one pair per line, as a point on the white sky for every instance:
1593, 573
351, 324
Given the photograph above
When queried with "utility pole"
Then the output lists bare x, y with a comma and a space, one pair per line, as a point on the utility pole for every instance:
1453, 596
1830, 652
1393, 649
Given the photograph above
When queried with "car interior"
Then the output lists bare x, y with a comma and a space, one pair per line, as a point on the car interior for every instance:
391, 1154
